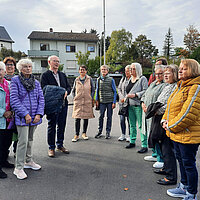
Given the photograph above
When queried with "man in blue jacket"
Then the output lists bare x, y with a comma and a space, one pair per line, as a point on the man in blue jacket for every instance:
57, 78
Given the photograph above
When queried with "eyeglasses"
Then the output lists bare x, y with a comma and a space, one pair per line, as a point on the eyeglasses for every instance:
56, 61
132, 69
27, 66
158, 74
10, 65
82, 70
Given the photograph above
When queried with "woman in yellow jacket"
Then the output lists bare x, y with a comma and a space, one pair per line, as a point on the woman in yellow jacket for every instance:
182, 124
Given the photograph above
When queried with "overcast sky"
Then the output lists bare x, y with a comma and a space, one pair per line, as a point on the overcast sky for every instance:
149, 17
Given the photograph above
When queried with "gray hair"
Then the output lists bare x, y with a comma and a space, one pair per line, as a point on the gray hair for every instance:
159, 67
138, 69
23, 62
128, 67
174, 69
106, 66
50, 57
2, 65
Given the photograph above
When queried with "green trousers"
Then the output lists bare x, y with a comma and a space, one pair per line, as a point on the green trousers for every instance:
135, 115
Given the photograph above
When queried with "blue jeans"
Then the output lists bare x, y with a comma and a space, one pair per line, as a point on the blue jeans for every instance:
103, 107
58, 119
186, 156
123, 124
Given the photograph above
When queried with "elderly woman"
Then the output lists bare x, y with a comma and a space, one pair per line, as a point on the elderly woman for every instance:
83, 92
150, 96
182, 124
27, 101
157, 133
135, 89
122, 94
5, 115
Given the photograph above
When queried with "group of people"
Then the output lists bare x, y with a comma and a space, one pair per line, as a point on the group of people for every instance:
164, 110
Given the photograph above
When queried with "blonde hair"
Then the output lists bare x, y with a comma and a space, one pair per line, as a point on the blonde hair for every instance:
174, 70
193, 65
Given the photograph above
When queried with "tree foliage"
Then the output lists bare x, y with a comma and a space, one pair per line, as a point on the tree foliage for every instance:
192, 38
119, 44
196, 54
168, 44
9, 52
82, 58
181, 52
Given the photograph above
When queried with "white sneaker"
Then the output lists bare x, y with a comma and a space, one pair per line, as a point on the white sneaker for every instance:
122, 138
128, 139
32, 165
20, 173
150, 158
158, 165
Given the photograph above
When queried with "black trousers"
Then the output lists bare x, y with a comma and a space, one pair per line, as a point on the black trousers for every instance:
170, 165
5, 142
77, 125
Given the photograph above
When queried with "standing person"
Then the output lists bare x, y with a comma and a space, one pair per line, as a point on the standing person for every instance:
106, 100
135, 89
10, 63
27, 101
56, 78
182, 124
5, 115
150, 96
83, 93
122, 94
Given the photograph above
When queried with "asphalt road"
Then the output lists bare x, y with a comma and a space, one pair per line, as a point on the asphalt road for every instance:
97, 169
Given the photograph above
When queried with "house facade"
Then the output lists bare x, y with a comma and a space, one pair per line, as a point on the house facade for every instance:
5, 39
62, 44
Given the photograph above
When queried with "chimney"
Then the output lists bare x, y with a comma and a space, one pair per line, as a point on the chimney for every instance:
51, 30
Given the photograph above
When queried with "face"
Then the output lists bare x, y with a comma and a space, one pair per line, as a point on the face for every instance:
104, 71
10, 68
27, 70
133, 70
159, 62
183, 72
168, 76
127, 72
54, 63
2, 73
82, 71
159, 75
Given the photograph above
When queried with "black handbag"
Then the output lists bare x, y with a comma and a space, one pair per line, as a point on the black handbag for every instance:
123, 110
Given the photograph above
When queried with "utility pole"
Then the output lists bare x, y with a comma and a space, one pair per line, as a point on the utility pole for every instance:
104, 31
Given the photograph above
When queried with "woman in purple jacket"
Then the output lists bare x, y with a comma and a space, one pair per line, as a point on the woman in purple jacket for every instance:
27, 101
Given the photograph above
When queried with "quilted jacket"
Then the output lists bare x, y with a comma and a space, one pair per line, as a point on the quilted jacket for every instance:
183, 112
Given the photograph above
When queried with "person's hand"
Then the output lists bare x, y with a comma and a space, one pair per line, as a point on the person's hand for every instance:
36, 119
165, 125
28, 119
144, 108
122, 100
7, 114
113, 106
97, 104
130, 95
65, 95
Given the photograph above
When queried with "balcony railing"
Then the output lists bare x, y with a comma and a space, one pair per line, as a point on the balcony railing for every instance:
42, 54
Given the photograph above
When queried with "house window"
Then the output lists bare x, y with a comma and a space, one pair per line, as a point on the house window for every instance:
1, 45
91, 48
71, 64
70, 48
44, 47
44, 63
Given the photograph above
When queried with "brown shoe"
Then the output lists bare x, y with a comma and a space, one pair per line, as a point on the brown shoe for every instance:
63, 150
51, 153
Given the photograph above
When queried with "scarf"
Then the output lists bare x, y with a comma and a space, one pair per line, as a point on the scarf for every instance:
29, 84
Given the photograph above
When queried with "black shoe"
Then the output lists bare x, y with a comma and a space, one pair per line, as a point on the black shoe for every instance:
7, 165
143, 150
131, 145
159, 171
2, 174
98, 135
164, 181
107, 136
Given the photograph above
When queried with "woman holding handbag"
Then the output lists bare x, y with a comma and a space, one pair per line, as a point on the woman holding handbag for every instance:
135, 89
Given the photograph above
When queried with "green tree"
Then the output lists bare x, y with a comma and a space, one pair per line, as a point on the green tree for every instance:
93, 65
144, 48
82, 58
168, 44
120, 42
131, 54
192, 38
181, 52
196, 54
9, 52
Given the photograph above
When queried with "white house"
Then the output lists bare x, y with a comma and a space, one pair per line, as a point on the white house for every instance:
62, 44
5, 39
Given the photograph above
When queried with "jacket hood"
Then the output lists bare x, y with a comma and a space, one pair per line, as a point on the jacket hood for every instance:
190, 82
